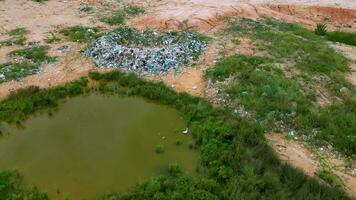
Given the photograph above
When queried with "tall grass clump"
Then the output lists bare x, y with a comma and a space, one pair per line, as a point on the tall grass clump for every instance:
320, 29
296, 44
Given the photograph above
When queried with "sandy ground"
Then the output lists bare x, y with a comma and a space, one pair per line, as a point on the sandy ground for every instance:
292, 152
202, 15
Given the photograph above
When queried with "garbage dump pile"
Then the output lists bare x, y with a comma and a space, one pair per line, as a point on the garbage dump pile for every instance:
145, 52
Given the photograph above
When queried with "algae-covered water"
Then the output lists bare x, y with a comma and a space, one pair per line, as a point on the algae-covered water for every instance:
96, 144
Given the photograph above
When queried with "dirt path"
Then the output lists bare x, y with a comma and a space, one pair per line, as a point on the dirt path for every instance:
350, 53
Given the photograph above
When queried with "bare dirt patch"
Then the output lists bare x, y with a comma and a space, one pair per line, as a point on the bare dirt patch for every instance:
350, 53
40, 18
204, 15
336, 17
300, 157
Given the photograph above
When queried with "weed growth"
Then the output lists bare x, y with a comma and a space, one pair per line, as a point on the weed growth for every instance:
17, 71
342, 37
52, 39
80, 33
17, 37
118, 17
286, 41
34, 54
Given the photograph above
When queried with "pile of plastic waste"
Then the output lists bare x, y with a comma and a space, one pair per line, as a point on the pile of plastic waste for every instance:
145, 52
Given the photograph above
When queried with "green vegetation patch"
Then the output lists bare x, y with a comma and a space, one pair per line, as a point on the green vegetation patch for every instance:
17, 31
14, 41
12, 187
31, 60
342, 37
236, 161
17, 71
118, 17
291, 42
263, 90
80, 33
16, 37
52, 39
35, 54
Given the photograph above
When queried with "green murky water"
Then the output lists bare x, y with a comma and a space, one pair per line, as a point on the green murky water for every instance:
96, 144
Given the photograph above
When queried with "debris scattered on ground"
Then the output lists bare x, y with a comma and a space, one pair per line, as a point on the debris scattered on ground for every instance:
64, 49
145, 52
17, 71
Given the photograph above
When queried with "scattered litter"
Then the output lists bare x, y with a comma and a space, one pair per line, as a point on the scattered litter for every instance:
145, 52
185, 131
64, 49
344, 90
291, 134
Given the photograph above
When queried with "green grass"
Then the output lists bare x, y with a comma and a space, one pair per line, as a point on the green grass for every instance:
119, 16
116, 18
80, 33
291, 42
17, 71
17, 32
134, 10
236, 161
17, 37
21, 40
52, 39
342, 37
263, 90
35, 54
329, 178
34, 57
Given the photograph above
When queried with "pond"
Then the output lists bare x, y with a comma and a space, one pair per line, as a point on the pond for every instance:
96, 144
